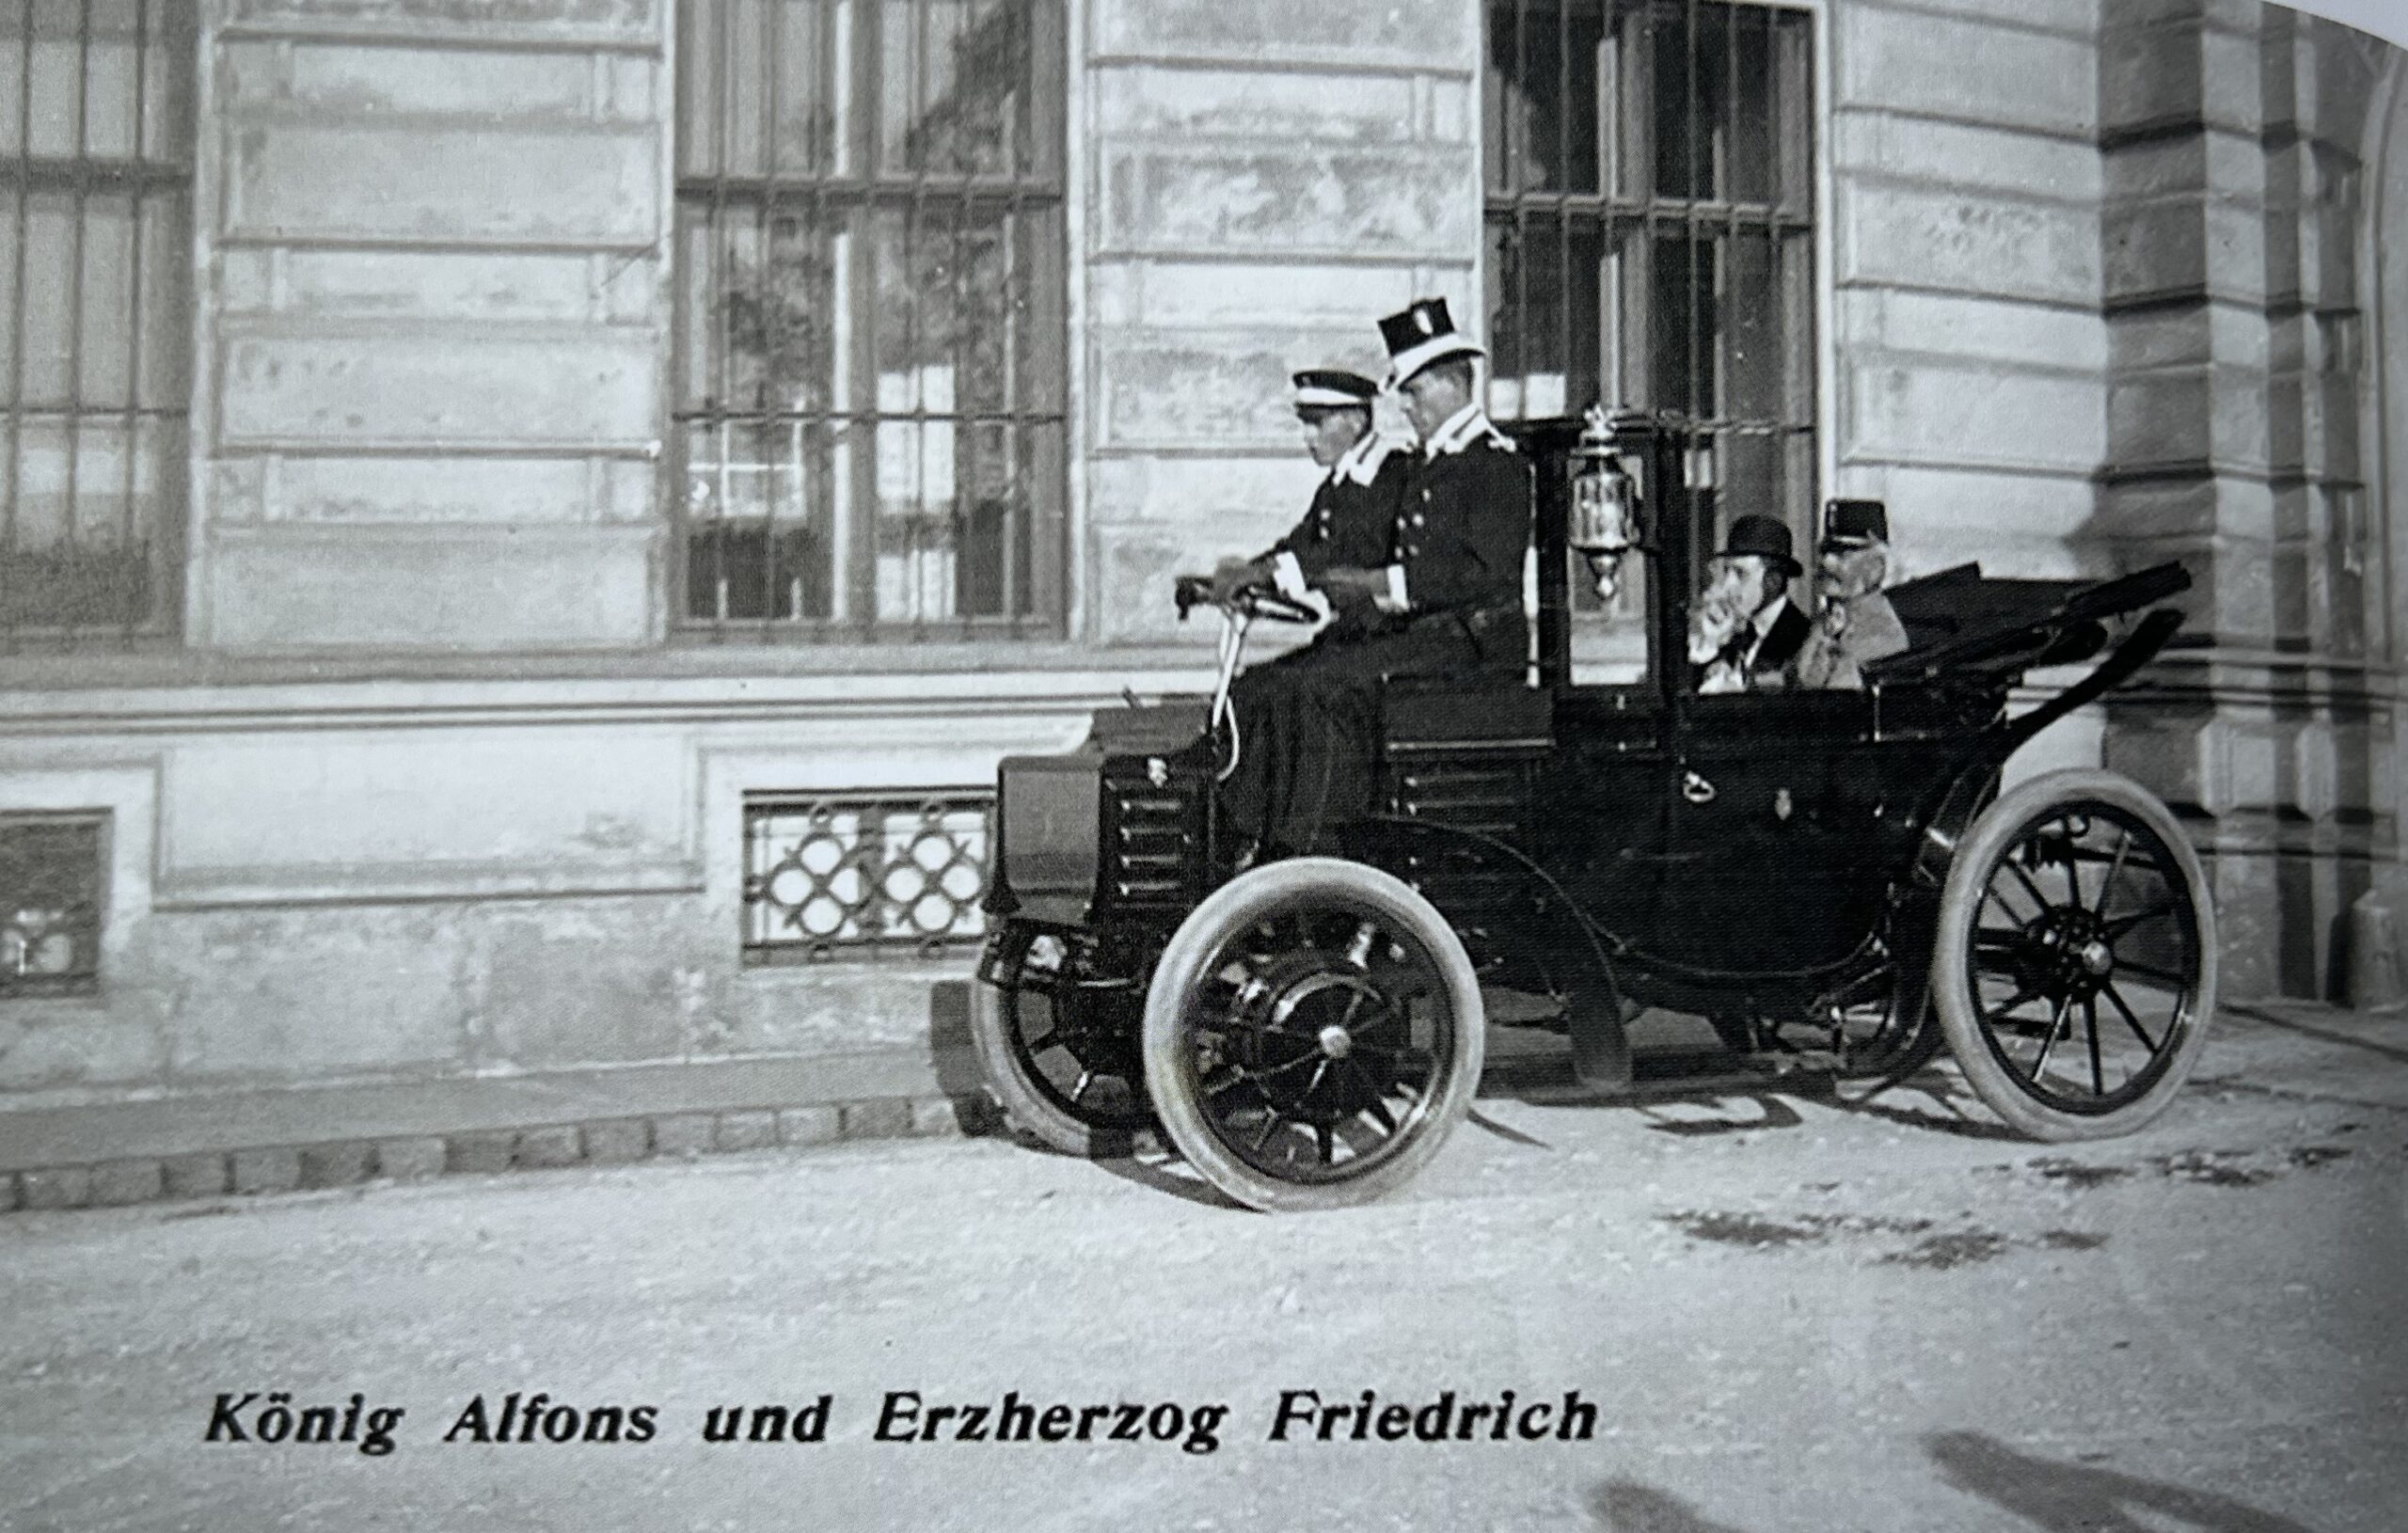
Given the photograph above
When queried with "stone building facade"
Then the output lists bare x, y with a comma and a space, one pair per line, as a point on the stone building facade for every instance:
544, 617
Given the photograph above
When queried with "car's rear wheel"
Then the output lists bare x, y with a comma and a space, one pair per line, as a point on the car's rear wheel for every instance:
1059, 1039
1313, 1033
2074, 966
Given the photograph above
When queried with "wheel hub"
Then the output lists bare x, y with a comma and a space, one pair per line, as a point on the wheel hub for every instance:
2070, 953
1312, 1012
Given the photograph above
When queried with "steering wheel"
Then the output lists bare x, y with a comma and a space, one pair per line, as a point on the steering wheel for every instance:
1271, 602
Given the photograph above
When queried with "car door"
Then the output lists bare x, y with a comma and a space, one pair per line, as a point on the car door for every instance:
1772, 857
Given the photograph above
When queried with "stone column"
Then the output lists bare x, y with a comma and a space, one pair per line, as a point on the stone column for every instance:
2230, 134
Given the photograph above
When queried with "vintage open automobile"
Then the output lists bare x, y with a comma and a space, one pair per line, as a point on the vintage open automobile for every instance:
1831, 876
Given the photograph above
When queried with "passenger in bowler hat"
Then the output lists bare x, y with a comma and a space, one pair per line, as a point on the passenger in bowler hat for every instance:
1744, 630
1856, 625
1442, 596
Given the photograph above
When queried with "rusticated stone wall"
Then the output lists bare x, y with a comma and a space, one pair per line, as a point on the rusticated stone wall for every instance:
432, 347
1969, 351
1269, 178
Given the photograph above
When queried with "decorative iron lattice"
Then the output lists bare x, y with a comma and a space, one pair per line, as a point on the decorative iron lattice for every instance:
50, 905
836, 871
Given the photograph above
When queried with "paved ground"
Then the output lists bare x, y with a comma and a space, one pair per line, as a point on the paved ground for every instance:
1789, 1315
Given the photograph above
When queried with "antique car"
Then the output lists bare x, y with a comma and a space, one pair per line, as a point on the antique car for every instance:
1829, 875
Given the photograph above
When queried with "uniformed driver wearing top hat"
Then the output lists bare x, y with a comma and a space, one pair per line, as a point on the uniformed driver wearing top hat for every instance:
1443, 599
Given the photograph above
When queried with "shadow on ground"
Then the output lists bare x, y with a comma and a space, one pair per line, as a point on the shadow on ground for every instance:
2050, 1495
2083, 1498
1625, 1506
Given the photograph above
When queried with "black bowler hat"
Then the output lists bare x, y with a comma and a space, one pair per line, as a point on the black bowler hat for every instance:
1333, 388
1764, 538
1420, 334
1850, 523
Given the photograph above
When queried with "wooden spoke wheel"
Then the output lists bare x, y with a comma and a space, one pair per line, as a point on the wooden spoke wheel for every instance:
1059, 1044
1312, 1035
2075, 961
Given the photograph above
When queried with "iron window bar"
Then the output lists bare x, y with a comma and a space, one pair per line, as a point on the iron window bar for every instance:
104, 303
1650, 219
856, 459
50, 897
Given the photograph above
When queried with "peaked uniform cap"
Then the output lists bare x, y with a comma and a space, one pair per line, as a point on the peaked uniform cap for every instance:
1856, 521
1420, 334
1763, 538
1334, 389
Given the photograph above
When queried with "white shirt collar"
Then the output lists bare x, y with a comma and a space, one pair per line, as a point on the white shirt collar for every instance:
1361, 462
1456, 435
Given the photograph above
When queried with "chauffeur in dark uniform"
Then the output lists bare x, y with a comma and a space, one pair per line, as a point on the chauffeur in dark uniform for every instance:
1444, 600
1354, 508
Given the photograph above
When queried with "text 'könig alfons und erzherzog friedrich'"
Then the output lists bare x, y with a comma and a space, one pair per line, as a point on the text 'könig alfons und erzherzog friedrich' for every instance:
280, 1419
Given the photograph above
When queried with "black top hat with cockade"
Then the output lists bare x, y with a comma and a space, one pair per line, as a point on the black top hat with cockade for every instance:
1421, 334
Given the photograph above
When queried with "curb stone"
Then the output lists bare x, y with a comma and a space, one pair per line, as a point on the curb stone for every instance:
128, 1182
550, 1148
338, 1164
272, 1169
410, 1160
254, 1170
206, 1175
60, 1187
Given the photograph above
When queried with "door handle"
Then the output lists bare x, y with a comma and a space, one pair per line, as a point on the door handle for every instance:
1697, 790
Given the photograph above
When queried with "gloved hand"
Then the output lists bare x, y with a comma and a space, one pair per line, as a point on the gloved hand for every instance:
1231, 576
1351, 588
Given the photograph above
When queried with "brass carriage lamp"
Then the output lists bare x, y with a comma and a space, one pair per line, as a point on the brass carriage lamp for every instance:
1605, 521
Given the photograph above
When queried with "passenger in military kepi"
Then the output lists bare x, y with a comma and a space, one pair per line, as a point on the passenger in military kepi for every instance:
1856, 624
1444, 600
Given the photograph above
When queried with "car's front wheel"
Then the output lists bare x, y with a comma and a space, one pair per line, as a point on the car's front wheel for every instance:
1312, 1034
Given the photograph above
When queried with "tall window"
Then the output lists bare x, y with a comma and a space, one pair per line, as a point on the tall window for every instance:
1650, 226
869, 392
95, 257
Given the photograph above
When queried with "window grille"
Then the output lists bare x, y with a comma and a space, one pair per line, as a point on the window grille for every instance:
869, 398
1650, 227
832, 871
50, 904
95, 189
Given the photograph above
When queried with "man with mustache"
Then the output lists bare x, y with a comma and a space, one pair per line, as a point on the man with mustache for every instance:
1856, 625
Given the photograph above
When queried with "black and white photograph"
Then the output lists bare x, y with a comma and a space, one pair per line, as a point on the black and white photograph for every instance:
1627, 766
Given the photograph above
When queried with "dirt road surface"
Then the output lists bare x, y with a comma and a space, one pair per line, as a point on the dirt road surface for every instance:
1787, 1315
